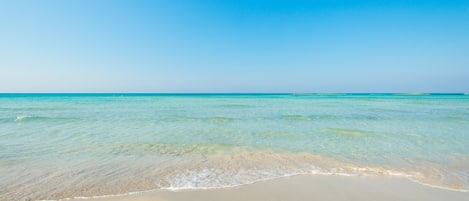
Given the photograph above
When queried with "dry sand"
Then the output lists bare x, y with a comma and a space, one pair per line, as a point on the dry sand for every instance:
308, 187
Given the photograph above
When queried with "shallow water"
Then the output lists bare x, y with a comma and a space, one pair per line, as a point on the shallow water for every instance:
55, 146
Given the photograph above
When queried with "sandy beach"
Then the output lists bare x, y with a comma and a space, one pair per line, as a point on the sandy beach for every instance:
307, 187
162, 100
365, 146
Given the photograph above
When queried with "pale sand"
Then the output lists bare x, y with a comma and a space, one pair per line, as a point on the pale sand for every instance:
309, 187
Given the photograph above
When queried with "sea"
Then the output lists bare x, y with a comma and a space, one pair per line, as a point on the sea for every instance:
59, 146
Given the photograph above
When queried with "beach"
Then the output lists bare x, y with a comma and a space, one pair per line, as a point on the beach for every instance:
305, 188
234, 100
179, 146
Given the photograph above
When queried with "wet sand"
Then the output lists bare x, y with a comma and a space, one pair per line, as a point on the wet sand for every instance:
307, 188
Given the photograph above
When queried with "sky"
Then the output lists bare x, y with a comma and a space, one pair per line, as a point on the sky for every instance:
227, 46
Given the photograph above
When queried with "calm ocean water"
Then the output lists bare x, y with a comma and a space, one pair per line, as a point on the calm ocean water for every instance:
70, 145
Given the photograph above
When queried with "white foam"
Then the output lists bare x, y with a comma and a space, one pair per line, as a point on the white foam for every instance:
22, 117
190, 185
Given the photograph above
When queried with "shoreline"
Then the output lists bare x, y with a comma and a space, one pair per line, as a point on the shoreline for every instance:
302, 187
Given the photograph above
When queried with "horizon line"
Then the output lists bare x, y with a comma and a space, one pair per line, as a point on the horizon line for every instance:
233, 93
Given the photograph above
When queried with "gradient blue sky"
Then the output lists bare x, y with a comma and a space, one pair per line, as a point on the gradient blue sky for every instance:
234, 46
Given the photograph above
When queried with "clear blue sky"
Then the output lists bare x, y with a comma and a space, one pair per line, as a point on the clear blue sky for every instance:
234, 46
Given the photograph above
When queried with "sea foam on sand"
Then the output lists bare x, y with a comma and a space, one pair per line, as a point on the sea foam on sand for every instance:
306, 187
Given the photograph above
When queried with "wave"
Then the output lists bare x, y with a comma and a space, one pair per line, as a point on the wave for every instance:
213, 119
236, 106
249, 166
220, 170
170, 150
342, 132
296, 117
27, 118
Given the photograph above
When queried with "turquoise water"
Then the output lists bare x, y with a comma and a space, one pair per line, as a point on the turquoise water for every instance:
55, 146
